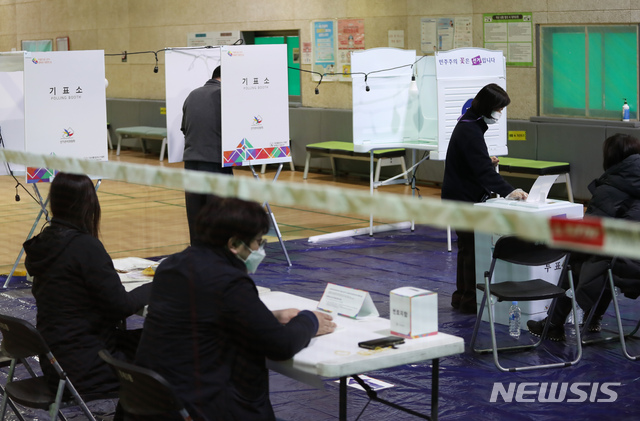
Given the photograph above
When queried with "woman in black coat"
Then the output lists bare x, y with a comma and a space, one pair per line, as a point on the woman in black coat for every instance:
616, 194
470, 176
80, 298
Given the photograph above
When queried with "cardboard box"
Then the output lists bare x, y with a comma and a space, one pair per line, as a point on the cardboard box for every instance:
414, 312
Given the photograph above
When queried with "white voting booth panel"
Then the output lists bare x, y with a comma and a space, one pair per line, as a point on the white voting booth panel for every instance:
384, 105
255, 101
185, 70
12, 106
255, 105
484, 244
64, 105
447, 82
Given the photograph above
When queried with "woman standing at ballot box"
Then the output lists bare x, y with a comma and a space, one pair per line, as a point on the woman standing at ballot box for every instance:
470, 176
207, 332
80, 299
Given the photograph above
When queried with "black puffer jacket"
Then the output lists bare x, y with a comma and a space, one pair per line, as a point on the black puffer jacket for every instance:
616, 194
80, 301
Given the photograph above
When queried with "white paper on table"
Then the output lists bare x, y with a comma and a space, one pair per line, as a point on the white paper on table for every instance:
349, 302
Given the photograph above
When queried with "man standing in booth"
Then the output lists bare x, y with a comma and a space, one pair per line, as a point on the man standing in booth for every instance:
202, 128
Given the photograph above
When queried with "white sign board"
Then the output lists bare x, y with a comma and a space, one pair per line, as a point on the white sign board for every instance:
185, 70
255, 105
65, 106
448, 82
12, 107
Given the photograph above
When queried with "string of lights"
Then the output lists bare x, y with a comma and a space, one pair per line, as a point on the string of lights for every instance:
124, 55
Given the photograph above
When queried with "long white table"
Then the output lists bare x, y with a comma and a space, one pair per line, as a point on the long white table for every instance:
337, 355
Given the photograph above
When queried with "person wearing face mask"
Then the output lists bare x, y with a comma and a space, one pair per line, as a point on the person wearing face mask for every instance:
470, 176
207, 332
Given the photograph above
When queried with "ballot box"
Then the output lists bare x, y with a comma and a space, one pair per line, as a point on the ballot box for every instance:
484, 244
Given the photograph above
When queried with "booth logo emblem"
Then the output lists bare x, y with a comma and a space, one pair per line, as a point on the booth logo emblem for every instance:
34, 60
257, 120
66, 133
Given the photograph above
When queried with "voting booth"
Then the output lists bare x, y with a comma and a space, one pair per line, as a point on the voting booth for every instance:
484, 244
54, 103
400, 101
254, 94
447, 83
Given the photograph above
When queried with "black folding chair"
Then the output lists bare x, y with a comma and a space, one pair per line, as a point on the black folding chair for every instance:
612, 281
20, 341
516, 251
143, 391
6, 362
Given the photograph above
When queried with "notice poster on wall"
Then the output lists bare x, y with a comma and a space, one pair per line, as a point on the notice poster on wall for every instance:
350, 38
255, 105
442, 34
185, 70
324, 49
65, 107
512, 33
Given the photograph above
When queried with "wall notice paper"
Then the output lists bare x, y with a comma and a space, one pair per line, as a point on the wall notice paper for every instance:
396, 38
350, 38
513, 34
307, 52
349, 302
324, 49
442, 34
255, 105
65, 107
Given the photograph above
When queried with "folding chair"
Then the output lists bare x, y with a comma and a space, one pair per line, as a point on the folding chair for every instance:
143, 391
21, 340
612, 281
6, 362
516, 251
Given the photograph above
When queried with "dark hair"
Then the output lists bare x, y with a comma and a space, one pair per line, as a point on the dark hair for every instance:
223, 218
216, 73
73, 199
490, 98
617, 148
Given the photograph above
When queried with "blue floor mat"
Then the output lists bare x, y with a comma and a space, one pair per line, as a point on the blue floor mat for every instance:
403, 258
602, 385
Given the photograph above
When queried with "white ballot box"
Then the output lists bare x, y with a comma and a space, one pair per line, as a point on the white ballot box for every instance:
484, 244
413, 312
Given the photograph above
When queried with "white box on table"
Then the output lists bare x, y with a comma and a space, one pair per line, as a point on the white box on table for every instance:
414, 312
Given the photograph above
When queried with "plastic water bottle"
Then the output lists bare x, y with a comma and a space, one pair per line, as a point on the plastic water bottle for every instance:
625, 111
514, 320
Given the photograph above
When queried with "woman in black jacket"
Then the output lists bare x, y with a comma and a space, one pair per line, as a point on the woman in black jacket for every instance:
80, 298
470, 176
616, 194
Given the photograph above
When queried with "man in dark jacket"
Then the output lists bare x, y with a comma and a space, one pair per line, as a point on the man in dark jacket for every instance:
202, 128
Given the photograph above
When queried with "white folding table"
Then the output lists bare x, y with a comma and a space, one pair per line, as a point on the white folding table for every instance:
337, 355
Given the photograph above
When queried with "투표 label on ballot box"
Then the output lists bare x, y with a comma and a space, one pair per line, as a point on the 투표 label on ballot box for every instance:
414, 312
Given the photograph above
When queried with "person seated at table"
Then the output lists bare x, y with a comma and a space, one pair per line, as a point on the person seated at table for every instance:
616, 194
79, 296
207, 332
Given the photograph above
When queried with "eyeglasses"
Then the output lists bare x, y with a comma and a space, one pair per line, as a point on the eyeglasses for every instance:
260, 245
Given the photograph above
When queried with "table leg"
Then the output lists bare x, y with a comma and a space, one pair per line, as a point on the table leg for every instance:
435, 372
343, 399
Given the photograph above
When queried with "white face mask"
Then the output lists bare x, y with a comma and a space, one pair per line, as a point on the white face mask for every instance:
495, 116
254, 259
